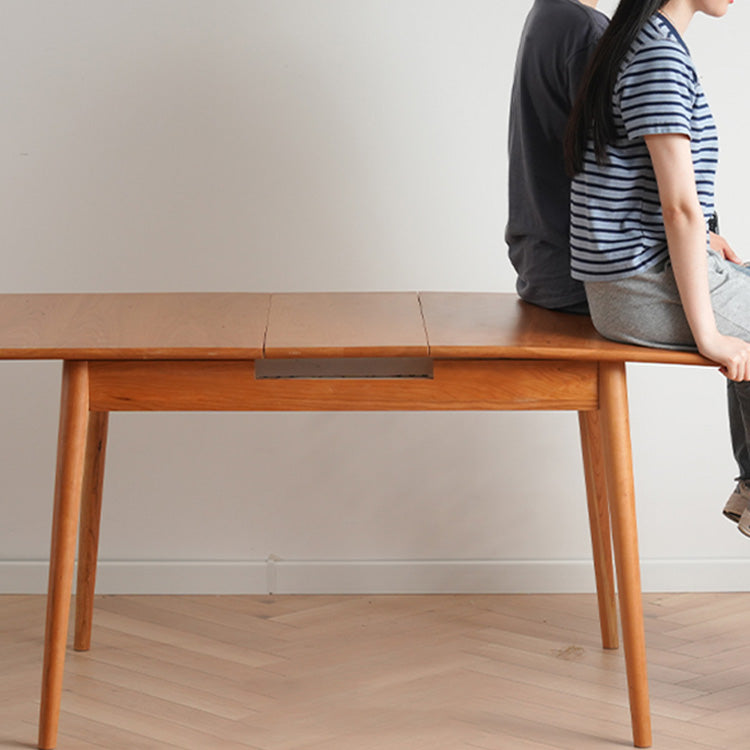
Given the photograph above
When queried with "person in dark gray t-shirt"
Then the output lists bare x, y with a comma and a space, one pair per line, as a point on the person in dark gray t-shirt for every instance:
558, 38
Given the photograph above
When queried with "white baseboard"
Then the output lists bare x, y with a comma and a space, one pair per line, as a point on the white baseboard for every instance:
377, 577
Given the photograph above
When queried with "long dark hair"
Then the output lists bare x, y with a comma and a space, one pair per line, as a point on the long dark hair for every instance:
591, 116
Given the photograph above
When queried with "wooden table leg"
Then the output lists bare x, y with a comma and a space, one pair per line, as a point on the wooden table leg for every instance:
71, 449
88, 540
596, 494
619, 472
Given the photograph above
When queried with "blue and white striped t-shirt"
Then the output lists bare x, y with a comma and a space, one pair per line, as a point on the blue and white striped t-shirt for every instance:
617, 227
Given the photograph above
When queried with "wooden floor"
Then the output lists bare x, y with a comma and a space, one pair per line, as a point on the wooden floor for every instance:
379, 673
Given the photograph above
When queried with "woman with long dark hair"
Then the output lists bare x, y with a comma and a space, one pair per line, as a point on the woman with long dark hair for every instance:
643, 147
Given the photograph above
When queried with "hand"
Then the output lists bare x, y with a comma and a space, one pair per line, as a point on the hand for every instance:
719, 245
731, 353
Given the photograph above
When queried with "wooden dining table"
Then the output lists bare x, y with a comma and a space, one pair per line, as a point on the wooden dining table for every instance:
361, 351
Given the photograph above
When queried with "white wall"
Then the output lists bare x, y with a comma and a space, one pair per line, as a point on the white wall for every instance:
267, 145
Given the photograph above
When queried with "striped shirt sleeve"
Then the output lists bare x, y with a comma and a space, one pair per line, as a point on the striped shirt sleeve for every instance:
656, 92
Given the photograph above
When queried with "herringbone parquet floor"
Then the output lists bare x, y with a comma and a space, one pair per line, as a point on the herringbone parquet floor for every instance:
379, 673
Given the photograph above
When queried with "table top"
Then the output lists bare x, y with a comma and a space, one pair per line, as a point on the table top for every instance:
239, 325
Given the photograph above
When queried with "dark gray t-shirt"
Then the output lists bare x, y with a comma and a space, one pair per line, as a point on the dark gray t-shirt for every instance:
557, 41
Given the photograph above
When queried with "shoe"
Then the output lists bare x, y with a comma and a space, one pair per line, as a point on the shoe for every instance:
744, 523
738, 503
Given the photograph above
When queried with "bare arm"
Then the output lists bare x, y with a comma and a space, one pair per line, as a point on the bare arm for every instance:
686, 236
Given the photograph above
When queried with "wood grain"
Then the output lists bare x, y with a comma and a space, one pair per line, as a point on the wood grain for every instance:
479, 325
68, 486
88, 538
345, 325
133, 326
231, 386
618, 462
205, 325
601, 538
433, 672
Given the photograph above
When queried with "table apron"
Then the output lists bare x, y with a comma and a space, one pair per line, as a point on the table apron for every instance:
209, 385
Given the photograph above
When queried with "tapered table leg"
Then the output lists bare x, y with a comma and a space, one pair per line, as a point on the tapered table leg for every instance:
596, 493
619, 472
88, 540
71, 449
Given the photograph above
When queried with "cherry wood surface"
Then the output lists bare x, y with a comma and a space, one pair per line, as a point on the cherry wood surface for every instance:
206, 325
368, 324
618, 467
90, 520
478, 325
231, 386
202, 325
599, 524
69, 483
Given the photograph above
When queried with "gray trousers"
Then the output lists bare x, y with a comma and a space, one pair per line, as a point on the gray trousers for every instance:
646, 310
